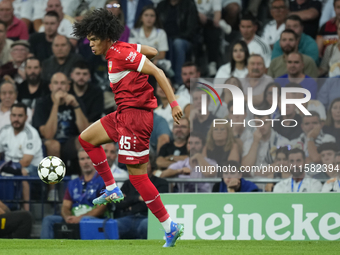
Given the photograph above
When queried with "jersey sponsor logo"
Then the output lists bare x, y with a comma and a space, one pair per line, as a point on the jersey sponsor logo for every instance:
110, 66
131, 56
129, 158
29, 146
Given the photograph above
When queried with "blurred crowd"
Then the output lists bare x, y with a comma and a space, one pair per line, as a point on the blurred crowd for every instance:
53, 87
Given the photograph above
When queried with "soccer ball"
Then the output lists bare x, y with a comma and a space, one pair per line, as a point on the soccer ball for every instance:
51, 170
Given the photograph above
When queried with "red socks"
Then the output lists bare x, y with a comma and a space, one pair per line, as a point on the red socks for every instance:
150, 195
99, 160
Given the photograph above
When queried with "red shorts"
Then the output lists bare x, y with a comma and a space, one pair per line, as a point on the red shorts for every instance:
132, 128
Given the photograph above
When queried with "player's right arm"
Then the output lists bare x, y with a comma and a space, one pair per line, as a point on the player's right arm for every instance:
151, 69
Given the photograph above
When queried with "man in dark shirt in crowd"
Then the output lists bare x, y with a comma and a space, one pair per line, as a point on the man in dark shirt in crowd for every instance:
91, 95
62, 60
60, 118
132, 213
41, 43
175, 150
309, 11
33, 87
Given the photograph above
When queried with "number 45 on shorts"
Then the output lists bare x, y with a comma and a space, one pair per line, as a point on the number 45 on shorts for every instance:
124, 143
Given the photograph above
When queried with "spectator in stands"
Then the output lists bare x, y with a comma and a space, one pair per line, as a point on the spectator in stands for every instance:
60, 118
241, 132
164, 108
209, 13
77, 202
41, 43
5, 45
237, 67
330, 64
288, 44
327, 12
281, 159
268, 99
295, 73
65, 22
260, 149
329, 91
111, 155
332, 185
198, 122
16, 29
332, 125
20, 134
221, 144
115, 7
327, 153
272, 31
256, 78
309, 11
17, 224
31, 89
294, 131
160, 134
231, 12
180, 29
176, 149
132, 10
256, 45
8, 96
328, 33
299, 182
233, 181
16, 68
226, 95
77, 8
306, 44
62, 60
132, 213
148, 32
187, 168
311, 105
312, 137
90, 95
191, 79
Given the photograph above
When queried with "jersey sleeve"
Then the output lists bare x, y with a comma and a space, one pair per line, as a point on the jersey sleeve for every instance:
131, 58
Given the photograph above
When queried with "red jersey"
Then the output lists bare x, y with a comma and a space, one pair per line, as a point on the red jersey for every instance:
131, 88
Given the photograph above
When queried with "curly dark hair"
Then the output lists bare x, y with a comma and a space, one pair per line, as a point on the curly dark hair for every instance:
100, 23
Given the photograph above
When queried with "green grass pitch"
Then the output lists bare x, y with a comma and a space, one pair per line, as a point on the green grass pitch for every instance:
150, 247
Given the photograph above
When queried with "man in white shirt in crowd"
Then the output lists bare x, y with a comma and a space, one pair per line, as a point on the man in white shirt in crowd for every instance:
66, 22
20, 141
248, 28
260, 150
333, 185
312, 137
8, 96
164, 108
299, 182
279, 11
256, 78
5, 45
111, 155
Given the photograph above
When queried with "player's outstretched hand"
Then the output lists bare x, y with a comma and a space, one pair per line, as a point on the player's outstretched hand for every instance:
177, 113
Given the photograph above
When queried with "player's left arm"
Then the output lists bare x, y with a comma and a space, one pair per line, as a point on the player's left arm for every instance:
151, 69
148, 51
